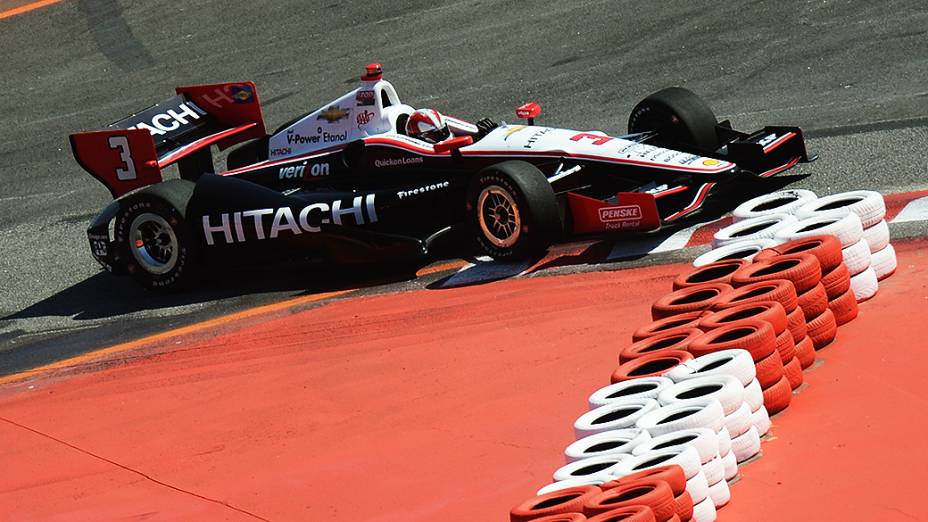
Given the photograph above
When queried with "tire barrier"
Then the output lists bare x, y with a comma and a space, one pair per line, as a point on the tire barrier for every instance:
614, 415
612, 442
676, 339
651, 365
570, 500
717, 272
667, 324
784, 202
690, 299
884, 262
643, 388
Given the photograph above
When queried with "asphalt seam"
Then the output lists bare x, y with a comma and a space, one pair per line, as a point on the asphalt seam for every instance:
135, 471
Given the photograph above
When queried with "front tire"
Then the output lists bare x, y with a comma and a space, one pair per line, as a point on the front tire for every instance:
512, 211
678, 116
153, 236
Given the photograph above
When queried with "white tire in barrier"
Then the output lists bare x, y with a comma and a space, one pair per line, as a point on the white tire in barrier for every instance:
724, 441
644, 388
704, 511
737, 363
865, 284
760, 419
570, 483
613, 416
866, 204
698, 487
754, 395
719, 493
684, 456
594, 468
714, 470
884, 262
703, 440
738, 250
727, 389
606, 443
739, 421
746, 445
763, 227
782, 202
731, 465
843, 225
676, 417
856, 257
877, 236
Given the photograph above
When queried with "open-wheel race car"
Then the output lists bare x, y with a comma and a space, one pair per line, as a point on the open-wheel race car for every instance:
350, 183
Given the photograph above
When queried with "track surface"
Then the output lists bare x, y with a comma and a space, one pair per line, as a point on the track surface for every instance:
852, 73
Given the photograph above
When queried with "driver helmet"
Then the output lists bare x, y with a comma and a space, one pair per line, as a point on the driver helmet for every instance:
427, 125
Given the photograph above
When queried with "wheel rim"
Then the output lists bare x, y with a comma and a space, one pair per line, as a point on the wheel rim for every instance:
153, 243
500, 220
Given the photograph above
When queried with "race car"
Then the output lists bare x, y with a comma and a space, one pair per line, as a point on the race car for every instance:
349, 184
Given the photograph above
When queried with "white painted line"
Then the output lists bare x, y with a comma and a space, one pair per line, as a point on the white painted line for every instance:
915, 210
652, 244
485, 272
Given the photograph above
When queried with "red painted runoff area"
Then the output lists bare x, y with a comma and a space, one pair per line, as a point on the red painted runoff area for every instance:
450, 405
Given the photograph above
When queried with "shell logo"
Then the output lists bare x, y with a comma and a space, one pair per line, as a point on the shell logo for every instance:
711, 162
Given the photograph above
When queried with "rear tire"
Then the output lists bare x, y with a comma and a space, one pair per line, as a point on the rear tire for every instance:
678, 116
153, 236
512, 211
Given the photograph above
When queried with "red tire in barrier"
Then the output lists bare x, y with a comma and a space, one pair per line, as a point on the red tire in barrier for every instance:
823, 329
805, 352
781, 291
786, 347
769, 370
793, 372
753, 335
569, 500
565, 517
700, 297
796, 323
844, 307
626, 514
651, 365
813, 302
803, 270
778, 396
672, 474
653, 493
826, 248
718, 272
679, 339
837, 282
770, 311
684, 505
674, 322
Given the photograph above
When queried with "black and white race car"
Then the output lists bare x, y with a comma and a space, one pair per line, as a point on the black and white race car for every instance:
345, 183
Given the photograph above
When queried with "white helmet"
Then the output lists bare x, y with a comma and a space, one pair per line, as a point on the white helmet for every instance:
427, 125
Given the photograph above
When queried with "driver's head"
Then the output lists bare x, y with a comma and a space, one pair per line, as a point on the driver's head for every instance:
427, 125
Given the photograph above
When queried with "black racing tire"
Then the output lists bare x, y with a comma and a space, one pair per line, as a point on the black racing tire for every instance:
154, 237
512, 211
678, 116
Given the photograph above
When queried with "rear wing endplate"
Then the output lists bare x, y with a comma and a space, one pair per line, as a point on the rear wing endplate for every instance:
131, 153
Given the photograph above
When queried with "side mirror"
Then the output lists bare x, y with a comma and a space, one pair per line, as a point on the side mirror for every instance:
530, 111
453, 144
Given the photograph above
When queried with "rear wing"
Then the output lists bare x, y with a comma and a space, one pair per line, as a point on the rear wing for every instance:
131, 153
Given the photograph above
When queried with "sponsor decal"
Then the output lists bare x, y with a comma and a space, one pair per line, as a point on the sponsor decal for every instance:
365, 98
689, 158
364, 118
536, 136
622, 225
242, 93
423, 189
621, 213
512, 130
230, 227
397, 162
711, 162
333, 114
767, 140
171, 119
598, 139
294, 138
282, 151
297, 171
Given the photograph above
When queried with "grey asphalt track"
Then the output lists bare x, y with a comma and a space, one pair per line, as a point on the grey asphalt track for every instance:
854, 74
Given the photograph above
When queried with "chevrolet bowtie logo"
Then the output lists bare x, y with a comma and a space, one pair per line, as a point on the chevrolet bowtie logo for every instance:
333, 114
